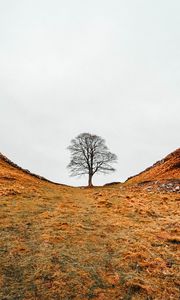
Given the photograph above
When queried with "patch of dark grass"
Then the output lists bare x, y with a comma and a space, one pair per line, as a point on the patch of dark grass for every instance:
14, 273
13, 276
135, 266
132, 290
174, 241
3, 250
8, 229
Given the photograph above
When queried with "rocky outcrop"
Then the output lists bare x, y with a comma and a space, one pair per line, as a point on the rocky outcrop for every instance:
169, 186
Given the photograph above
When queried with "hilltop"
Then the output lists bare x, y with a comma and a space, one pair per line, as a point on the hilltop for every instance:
119, 241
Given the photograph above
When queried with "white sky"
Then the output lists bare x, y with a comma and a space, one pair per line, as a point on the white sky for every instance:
110, 68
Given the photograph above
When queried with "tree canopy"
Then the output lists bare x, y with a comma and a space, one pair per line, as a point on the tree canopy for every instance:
90, 155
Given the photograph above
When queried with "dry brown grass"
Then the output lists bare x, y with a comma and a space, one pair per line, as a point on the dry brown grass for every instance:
59, 242
167, 168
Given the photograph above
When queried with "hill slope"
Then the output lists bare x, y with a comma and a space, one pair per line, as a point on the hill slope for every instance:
165, 169
13, 179
10, 171
58, 242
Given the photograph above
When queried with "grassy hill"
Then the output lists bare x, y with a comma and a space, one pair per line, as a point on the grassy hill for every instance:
112, 242
165, 169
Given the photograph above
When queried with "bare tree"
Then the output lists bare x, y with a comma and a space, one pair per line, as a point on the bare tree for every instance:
90, 155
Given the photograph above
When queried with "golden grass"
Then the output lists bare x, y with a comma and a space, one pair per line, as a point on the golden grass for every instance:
59, 242
168, 168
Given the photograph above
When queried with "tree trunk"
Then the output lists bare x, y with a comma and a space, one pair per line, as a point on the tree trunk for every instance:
90, 180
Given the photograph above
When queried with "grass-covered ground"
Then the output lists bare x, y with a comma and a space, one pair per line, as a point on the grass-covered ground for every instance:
58, 242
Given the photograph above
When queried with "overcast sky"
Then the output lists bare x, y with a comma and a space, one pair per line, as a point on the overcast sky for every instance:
111, 68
